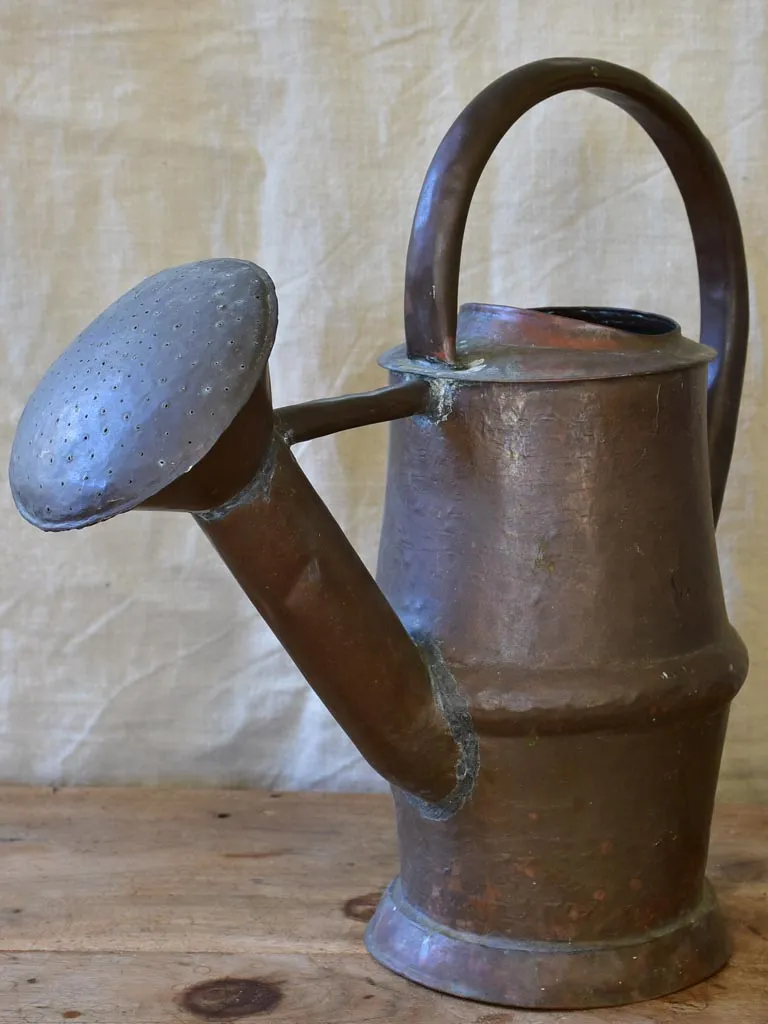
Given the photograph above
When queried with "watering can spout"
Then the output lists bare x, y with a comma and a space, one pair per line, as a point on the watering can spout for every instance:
163, 402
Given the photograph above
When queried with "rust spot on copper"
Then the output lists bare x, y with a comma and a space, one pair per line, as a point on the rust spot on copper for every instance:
230, 998
599, 895
484, 905
544, 559
526, 866
533, 816
362, 908
454, 884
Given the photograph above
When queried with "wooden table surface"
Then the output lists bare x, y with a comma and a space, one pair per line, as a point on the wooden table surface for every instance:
151, 906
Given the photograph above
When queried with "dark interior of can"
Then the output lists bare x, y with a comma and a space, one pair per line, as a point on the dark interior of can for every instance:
630, 320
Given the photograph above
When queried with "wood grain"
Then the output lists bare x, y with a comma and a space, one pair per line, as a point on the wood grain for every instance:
114, 904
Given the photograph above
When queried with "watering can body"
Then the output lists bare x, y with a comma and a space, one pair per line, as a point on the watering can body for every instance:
551, 529
544, 665
556, 542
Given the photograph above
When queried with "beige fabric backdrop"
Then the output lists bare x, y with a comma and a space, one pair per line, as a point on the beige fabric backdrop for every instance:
138, 134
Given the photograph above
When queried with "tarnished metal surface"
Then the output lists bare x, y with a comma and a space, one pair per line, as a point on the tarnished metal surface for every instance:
330, 415
494, 969
501, 343
552, 528
143, 393
545, 674
302, 574
174, 377
557, 543
432, 275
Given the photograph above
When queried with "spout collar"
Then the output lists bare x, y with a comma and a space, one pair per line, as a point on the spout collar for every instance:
258, 487
453, 706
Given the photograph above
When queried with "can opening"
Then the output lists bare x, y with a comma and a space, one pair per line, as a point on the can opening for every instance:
630, 320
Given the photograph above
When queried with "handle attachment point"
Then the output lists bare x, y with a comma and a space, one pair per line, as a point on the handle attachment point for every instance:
434, 251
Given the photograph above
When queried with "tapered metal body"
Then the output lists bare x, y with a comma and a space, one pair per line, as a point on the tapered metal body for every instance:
544, 670
552, 528
556, 541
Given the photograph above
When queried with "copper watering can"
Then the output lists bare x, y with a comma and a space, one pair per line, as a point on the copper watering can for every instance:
545, 667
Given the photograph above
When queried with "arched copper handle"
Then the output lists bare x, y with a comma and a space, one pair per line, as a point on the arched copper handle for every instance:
434, 252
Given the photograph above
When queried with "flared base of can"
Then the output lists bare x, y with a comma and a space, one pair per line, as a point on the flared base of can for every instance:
547, 975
